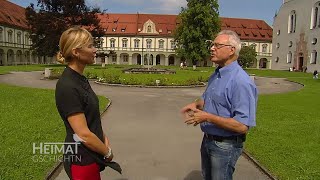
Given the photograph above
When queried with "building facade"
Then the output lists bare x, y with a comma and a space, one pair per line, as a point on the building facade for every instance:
15, 40
148, 39
144, 39
296, 31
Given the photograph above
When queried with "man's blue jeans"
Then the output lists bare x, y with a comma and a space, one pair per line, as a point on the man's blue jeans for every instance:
218, 159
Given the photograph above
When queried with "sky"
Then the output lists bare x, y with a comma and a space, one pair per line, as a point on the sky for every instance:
250, 9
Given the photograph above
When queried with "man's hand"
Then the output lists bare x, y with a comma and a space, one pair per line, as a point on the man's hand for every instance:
196, 117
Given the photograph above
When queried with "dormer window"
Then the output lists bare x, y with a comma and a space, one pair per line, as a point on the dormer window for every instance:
113, 29
123, 30
149, 29
169, 31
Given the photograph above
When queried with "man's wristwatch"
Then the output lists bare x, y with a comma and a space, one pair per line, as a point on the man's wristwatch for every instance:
107, 156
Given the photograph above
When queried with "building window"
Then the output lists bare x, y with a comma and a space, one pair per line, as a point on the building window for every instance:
19, 38
149, 41
1, 34
149, 29
161, 42
315, 16
313, 59
124, 43
10, 38
26, 39
125, 58
264, 47
292, 22
290, 44
277, 59
278, 32
173, 45
314, 41
112, 43
277, 45
253, 46
114, 59
136, 43
289, 57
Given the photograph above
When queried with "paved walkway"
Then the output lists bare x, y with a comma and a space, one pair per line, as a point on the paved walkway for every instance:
147, 134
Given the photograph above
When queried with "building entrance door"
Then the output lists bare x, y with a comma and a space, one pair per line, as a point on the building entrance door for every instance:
301, 63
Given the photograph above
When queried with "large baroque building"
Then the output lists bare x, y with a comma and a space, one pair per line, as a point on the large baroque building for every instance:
15, 40
133, 38
142, 38
296, 31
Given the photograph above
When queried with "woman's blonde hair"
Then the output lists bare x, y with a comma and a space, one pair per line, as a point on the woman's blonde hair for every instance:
75, 37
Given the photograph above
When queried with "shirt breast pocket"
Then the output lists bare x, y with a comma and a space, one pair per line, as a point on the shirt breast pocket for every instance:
219, 100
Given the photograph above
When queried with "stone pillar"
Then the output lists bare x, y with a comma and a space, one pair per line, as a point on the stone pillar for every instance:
106, 60
166, 61
118, 58
5, 59
154, 60
103, 61
130, 59
14, 59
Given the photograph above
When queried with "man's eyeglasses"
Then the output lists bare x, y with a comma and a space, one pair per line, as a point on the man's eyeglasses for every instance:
218, 45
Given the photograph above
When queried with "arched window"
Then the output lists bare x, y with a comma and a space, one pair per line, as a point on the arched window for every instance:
19, 38
1, 34
289, 57
254, 45
315, 16
161, 42
136, 43
264, 48
292, 22
26, 39
149, 41
10, 37
124, 43
173, 44
112, 43
313, 59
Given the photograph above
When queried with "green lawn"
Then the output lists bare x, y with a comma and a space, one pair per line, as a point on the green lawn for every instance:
286, 139
27, 116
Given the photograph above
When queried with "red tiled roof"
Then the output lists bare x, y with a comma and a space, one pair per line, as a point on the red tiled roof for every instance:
12, 14
128, 24
248, 29
113, 23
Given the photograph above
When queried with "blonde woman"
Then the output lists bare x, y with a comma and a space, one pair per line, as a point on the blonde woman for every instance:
78, 106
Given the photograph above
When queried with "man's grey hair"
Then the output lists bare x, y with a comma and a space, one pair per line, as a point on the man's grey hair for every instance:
234, 39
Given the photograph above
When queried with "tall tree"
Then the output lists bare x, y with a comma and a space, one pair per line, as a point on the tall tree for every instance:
52, 17
199, 23
247, 56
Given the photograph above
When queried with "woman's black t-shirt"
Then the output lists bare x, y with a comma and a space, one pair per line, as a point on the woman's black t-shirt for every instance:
75, 95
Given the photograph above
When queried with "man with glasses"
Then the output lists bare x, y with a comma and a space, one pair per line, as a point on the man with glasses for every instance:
226, 110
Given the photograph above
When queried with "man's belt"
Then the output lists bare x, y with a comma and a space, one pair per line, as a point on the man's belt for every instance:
237, 138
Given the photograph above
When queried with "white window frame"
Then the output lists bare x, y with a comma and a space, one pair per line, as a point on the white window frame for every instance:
161, 44
313, 58
136, 43
289, 57
149, 43
124, 43
292, 22
112, 43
